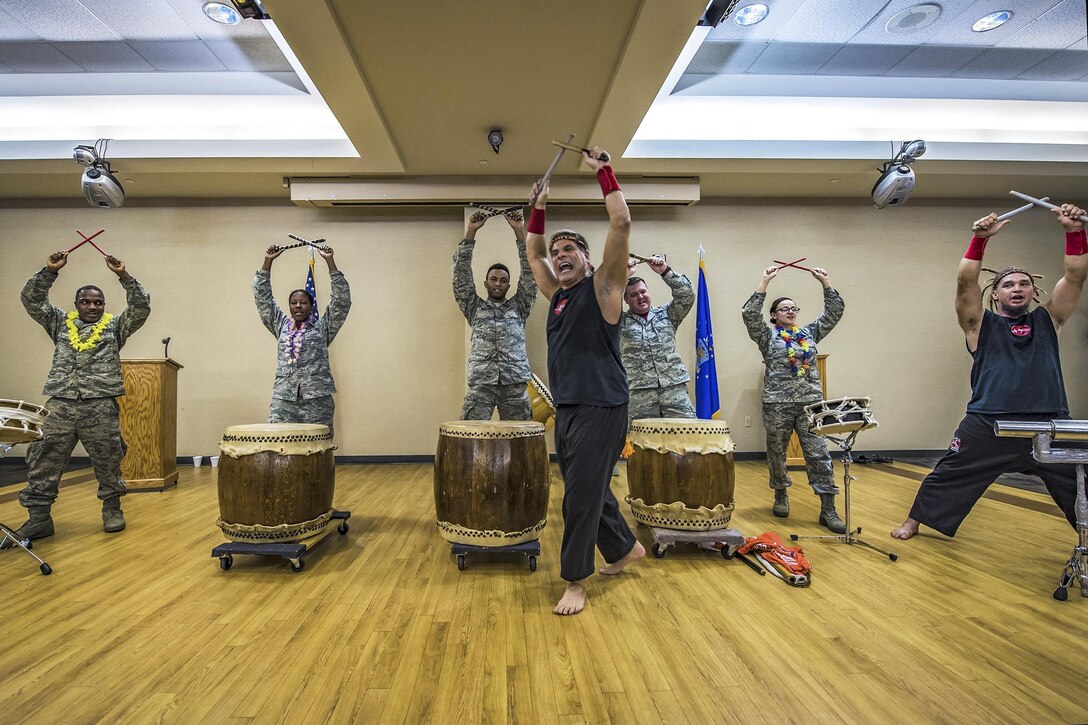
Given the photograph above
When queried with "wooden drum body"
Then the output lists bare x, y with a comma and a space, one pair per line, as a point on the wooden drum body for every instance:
276, 482
540, 400
681, 473
491, 482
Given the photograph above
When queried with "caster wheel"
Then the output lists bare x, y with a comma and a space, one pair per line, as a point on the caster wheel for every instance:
532, 563
298, 566
1061, 594
46, 569
460, 562
726, 554
793, 537
657, 551
893, 557
342, 528
226, 562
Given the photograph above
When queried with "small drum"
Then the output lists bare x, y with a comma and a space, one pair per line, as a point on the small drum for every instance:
842, 415
681, 473
491, 482
540, 399
276, 482
21, 422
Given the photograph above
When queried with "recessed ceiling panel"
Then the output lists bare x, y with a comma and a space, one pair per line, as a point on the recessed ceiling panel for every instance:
930, 61
1065, 65
178, 56
793, 58
725, 57
1004, 63
1059, 27
59, 20
12, 30
825, 21
141, 20
865, 60
249, 54
36, 58
106, 57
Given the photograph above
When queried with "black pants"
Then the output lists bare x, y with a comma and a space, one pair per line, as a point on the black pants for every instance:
976, 457
588, 440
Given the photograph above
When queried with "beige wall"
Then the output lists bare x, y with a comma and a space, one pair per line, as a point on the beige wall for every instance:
399, 361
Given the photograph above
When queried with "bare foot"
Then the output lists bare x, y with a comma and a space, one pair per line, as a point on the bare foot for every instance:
637, 552
906, 530
573, 600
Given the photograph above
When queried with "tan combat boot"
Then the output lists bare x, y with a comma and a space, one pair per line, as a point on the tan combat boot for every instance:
781, 507
112, 518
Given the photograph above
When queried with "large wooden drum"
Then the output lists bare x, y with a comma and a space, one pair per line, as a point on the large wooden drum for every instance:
681, 473
491, 482
276, 482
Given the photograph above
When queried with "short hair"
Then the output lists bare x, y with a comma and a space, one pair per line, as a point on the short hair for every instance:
305, 292
631, 281
777, 302
499, 265
86, 287
572, 236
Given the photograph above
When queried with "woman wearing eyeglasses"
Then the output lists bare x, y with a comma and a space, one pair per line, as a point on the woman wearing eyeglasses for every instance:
791, 382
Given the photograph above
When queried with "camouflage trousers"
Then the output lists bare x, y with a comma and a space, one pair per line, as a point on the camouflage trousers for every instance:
668, 402
511, 400
781, 419
314, 410
94, 423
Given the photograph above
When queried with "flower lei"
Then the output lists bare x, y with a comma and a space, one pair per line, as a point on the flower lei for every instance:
798, 349
96, 332
292, 346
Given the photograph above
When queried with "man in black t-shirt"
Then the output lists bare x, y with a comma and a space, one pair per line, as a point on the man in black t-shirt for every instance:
1016, 374
588, 382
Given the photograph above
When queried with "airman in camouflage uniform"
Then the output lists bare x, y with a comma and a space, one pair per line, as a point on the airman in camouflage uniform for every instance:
656, 375
498, 368
302, 392
83, 384
791, 383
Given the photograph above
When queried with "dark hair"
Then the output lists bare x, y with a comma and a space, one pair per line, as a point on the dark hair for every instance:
631, 281
312, 303
777, 302
571, 235
499, 265
86, 287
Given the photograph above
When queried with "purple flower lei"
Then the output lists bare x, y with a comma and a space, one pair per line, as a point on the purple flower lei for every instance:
292, 345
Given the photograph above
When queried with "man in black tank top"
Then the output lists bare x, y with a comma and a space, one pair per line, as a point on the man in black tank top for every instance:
1016, 375
588, 382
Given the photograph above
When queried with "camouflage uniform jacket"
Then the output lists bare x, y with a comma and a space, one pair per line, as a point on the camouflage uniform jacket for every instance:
94, 373
311, 376
648, 346
497, 356
780, 383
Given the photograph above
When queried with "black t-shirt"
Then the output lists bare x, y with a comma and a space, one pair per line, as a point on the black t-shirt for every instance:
584, 366
1017, 368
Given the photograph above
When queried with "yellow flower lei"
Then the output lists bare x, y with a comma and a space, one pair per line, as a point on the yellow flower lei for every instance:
96, 332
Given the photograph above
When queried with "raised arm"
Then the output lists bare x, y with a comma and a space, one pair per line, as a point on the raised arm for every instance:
683, 294
464, 288
35, 294
526, 294
536, 246
752, 311
968, 290
138, 302
339, 297
1066, 295
833, 306
610, 278
271, 315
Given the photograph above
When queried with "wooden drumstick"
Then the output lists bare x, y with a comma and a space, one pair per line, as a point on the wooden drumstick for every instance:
87, 239
551, 169
640, 258
578, 149
1045, 204
793, 264
1011, 214
755, 567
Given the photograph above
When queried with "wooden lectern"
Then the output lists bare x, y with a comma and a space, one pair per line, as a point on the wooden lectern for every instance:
795, 457
149, 423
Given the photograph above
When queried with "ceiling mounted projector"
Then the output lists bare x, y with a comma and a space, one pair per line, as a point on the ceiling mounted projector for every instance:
896, 180
100, 186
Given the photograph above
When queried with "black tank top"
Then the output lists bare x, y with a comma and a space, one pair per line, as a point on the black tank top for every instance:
584, 366
1017, 368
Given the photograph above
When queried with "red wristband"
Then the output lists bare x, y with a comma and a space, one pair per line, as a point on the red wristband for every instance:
976, 248
1076, 243
536, 222
607, 180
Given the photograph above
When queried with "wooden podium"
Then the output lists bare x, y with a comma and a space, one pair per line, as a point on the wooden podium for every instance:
149, 423
795, 457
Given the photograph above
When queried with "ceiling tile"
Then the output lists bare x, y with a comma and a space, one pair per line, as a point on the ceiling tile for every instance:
205, 29
59, 20
1058, 27
178, 56
1065, 65
106, 57
827, 21
142, 20
793, 58
865, 60
725, 57
780, 13
36, 58
249, 54
931, 61
11, 29
1004, 63
876, 32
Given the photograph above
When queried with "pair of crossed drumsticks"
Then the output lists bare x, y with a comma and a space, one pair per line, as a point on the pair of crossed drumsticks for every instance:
794, 264
87, 239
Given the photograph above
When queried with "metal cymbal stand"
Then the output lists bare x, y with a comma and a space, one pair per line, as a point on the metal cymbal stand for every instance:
1042, 434
850, 537
6, 533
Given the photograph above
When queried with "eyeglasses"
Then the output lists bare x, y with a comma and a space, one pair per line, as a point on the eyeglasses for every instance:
788, 309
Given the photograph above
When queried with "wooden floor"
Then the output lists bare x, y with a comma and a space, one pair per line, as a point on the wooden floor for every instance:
143, 626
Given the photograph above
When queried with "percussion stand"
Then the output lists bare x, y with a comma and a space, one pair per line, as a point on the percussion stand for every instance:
850, 537
1042, 434
7, 533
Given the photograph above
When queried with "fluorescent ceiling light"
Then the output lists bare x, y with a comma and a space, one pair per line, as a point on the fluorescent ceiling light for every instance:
751, 14
991, 21
222, 13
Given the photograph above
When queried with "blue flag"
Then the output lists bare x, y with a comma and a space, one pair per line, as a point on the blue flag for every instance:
706, 375
310, 283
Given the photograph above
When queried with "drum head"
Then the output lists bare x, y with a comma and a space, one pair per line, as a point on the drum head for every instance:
681, 435
491, 429
295, 439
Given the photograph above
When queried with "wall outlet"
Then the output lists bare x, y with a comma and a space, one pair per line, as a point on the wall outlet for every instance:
747, 421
